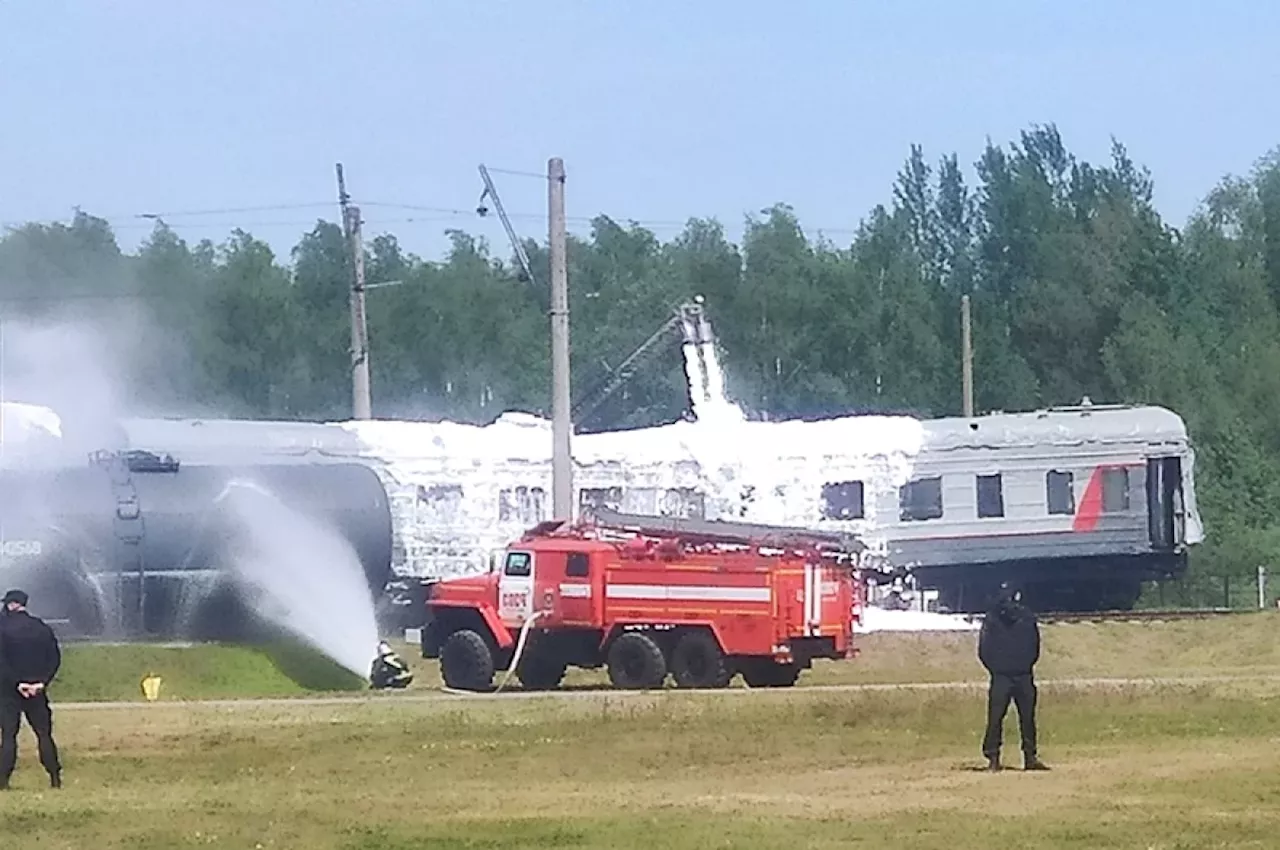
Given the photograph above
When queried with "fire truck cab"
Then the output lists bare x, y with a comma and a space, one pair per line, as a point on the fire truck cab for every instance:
647, 597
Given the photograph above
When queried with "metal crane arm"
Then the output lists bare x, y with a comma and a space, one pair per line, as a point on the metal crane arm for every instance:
594, 398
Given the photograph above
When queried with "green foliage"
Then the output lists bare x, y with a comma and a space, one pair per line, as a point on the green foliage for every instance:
1078, 287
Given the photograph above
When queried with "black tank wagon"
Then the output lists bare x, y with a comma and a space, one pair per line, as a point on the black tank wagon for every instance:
133, 543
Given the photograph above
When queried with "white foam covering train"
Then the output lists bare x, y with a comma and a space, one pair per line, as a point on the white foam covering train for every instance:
1080, 504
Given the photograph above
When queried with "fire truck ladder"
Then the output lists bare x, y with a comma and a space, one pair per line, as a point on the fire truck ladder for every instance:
748, 534
721, 531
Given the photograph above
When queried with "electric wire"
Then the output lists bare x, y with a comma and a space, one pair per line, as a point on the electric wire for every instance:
144, 220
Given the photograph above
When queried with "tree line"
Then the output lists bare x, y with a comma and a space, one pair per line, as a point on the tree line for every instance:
1078, 287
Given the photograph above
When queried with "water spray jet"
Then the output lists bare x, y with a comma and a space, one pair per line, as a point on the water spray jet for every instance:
300, 575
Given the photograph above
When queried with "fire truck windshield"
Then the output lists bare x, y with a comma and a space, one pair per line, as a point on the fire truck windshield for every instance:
517, 564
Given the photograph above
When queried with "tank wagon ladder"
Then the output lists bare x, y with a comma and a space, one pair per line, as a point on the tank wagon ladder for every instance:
129, 530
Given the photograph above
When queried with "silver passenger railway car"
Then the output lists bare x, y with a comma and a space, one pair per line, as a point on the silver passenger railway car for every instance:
1079, 505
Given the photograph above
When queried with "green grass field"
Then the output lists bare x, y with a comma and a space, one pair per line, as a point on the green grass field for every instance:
1242, 644
114, 673
1136, 765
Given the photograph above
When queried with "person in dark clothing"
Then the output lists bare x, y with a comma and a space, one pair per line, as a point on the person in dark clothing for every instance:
1009, 647
29, 659
388, 670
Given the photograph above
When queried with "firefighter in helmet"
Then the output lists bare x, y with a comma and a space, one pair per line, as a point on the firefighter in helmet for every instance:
388, 670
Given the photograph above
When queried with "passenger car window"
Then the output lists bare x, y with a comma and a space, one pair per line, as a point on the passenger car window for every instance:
1059, 495
609, 498
920, 500
522, 504
842, 500
990, 496
1115, 490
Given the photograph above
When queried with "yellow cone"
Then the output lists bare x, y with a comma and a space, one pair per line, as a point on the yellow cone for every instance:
151, 687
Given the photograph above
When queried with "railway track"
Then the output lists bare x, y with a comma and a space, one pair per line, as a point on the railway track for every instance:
1140, 615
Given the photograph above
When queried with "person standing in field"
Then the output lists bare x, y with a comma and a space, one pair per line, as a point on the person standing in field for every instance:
1009, 647
29, 659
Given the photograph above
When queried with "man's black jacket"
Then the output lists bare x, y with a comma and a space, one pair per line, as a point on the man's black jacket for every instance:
1009, 642
29, 651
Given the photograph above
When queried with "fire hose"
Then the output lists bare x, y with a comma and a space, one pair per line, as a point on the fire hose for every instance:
515, 658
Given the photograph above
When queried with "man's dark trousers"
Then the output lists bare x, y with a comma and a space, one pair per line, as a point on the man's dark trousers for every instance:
40, 715
1021, 690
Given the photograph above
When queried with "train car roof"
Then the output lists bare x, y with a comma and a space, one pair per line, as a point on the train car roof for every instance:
527, 438
1064, 426
229, 440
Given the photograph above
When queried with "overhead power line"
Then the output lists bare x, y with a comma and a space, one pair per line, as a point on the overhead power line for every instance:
133, 224
580, 219
234, 210
147, 220
516, 172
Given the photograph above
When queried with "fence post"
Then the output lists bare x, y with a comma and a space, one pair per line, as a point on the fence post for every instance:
1226, 591
1262, 587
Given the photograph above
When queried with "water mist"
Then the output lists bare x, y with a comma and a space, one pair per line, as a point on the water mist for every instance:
301, 575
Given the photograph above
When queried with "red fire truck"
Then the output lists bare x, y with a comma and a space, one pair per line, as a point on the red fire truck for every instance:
646, 597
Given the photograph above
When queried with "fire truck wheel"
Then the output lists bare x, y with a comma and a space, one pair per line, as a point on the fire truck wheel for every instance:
770, 674
540, 672
466, 663
636, 663
698, 662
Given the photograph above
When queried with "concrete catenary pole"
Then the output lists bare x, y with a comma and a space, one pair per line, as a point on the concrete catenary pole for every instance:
966, 355
361, 400
561, 455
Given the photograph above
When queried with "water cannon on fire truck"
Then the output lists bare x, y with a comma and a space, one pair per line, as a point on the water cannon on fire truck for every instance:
649, 597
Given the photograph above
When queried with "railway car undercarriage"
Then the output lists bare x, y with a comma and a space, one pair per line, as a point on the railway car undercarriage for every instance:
1058, 585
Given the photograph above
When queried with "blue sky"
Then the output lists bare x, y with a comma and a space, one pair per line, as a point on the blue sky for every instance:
661, 110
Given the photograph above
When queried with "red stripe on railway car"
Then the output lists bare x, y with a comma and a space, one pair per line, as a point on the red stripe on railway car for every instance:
1089, 511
